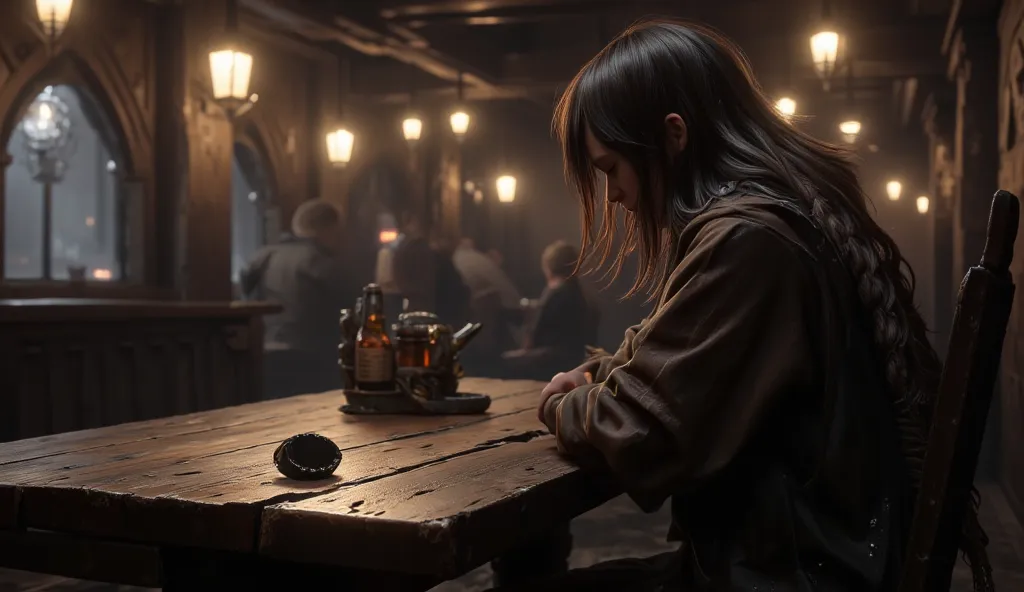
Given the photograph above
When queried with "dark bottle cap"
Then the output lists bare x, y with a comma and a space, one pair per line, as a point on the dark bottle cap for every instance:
307, 457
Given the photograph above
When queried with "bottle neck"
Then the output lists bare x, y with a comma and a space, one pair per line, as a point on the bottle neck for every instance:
373, 322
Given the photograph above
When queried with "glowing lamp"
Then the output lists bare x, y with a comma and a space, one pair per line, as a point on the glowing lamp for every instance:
824, 52
339, 146
412, 128
506, 186
460, 123
922, 204
893, 189
850, 130
102, 275
388, 235
230, 71
54, 16
786, 106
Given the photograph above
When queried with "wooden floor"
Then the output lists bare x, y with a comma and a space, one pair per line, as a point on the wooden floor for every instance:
618, 529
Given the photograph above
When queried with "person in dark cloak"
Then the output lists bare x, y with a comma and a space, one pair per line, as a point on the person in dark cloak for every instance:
780, 392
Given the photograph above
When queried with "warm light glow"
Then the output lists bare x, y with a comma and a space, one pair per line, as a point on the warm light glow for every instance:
412, 128
922, 204
229, 72
506, 188
90, 221
460, 123
894, 189
339, 146
389, 235
102, 274
54, 15
850, 130
824, 51
850, 127
478, 197
786, 106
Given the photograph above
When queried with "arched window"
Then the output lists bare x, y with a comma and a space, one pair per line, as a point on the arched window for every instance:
64, 216
252, 223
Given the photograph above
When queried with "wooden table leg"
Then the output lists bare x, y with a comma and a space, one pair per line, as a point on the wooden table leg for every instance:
544, 556
192, 569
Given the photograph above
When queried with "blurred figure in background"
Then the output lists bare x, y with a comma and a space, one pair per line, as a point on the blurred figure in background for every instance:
426, 276
564, 323
305, 275
483, 275
494, 302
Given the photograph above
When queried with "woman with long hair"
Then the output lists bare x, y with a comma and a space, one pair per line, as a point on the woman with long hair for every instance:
780, 392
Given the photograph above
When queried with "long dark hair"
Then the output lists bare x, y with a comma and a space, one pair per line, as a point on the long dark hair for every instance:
735, 135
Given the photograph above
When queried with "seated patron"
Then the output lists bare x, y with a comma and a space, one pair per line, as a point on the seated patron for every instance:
306, 276
557, 336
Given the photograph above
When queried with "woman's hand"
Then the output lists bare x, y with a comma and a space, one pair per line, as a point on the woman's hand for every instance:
562, 382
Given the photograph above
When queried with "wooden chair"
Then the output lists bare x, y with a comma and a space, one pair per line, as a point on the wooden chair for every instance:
961, 409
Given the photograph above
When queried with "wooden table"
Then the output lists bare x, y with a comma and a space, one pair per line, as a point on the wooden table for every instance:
173, 501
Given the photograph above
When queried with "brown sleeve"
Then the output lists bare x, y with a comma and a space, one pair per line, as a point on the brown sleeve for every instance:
600, 366
727, 339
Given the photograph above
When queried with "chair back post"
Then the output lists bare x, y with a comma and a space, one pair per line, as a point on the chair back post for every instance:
962, 405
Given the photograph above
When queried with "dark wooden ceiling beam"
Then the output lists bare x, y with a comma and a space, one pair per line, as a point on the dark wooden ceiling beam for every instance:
457, 7
303, 19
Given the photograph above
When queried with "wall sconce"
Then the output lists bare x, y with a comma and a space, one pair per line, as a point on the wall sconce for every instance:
230, 71
54, 16
893, 189
506, 185
412, 128
824, 53
922, 204
850, 130
339, 146
786, 106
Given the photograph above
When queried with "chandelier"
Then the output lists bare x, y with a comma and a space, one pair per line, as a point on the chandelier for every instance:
46, 131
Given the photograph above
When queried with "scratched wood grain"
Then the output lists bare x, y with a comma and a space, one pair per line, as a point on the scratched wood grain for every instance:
203, 480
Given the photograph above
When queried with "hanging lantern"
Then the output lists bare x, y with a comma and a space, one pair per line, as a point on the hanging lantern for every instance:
506, 186
230, 71
786, 106
922, 204
412, 128
460, 123
54, 16
339, 146
850, 130
893, 189
824, 52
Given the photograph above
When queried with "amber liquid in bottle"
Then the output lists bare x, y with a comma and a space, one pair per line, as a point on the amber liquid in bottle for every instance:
375, 358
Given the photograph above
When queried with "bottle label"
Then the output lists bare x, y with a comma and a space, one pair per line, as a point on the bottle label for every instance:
374, 364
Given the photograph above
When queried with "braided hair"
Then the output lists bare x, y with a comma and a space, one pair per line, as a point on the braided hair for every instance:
735, 135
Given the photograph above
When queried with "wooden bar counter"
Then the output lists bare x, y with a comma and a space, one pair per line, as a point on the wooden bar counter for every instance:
72, 364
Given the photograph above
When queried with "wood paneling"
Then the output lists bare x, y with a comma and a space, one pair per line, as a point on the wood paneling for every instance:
67, 366
1011, 178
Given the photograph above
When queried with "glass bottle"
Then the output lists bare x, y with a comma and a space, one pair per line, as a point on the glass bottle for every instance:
374, 356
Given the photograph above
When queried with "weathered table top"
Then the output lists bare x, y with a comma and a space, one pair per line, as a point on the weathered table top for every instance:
417, 495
